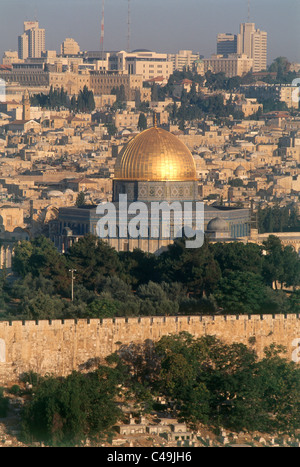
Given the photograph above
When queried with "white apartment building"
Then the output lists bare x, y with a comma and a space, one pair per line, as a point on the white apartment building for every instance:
69, 47
233, 65
253, 43
145, 63
183, 59
31, 43
23, 46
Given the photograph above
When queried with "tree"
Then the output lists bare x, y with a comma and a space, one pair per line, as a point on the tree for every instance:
42, 306
154, 93
93, 260
66, 411
111, 129
240, 293
22, 255
281, 264
279, 383
4, 404
227, 385
238, 257
103, 308
80, 200
196, 269
40, 257
73, 104
142, 123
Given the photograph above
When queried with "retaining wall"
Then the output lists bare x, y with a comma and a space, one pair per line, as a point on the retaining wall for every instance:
59, 347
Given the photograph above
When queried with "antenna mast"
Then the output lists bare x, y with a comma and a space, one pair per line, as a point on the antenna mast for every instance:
102, 31
128, 32
248, 11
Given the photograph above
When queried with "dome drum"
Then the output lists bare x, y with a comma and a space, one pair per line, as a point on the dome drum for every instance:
155, 166
155, 191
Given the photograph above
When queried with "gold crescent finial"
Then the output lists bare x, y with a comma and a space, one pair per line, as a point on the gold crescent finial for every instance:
155, 120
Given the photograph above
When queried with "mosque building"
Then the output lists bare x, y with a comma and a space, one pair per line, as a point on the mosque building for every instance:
153, 167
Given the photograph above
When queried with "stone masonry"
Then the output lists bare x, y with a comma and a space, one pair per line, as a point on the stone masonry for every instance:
58, 347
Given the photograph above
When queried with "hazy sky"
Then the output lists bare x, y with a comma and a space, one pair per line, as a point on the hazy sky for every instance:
159, 25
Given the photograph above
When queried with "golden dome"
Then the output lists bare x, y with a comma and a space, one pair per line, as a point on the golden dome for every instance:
155, 155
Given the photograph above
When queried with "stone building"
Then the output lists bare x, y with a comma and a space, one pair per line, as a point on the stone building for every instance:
153, 167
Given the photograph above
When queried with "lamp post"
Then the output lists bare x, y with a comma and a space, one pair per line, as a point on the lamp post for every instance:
72, 283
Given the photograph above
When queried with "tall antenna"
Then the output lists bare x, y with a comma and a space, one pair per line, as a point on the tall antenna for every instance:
128, 31
102, 31
248, 11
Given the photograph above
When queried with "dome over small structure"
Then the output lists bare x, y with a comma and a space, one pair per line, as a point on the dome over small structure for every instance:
218, 228
240, 171
217, 225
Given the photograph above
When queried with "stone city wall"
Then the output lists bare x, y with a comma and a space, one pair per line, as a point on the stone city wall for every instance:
58, 347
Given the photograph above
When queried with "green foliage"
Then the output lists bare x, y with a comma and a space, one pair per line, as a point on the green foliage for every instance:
120, 94
236, 182
219, 384
278, 219
43, 306
281, 67
229, 277
142, 123
40, 257
196, 269
270, 105
15, 389
56, 99
238, 257
65, 411
281, 264
208, 381
111, 129
80, 200
240, 293
4, 403
103, 308
93, 260
85, 101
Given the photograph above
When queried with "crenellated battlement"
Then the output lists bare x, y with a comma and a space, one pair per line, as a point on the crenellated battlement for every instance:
61, 346
151, 319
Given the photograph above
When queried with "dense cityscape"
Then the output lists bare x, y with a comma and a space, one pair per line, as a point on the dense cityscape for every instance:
79, 129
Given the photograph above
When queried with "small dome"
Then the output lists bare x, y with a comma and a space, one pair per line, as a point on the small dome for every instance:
54, 193
240, 169
217, 225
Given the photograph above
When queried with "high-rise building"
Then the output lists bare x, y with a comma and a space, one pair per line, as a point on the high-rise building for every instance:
259, 44
70, 47
23, 46
184, 59
253, 43
226, 44
232, 65
31, 43
142, 62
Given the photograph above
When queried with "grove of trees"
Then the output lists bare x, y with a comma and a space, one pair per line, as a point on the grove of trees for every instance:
206, 381
58, 98
232, 278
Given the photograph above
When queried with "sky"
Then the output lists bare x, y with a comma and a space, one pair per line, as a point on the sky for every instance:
159, 25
